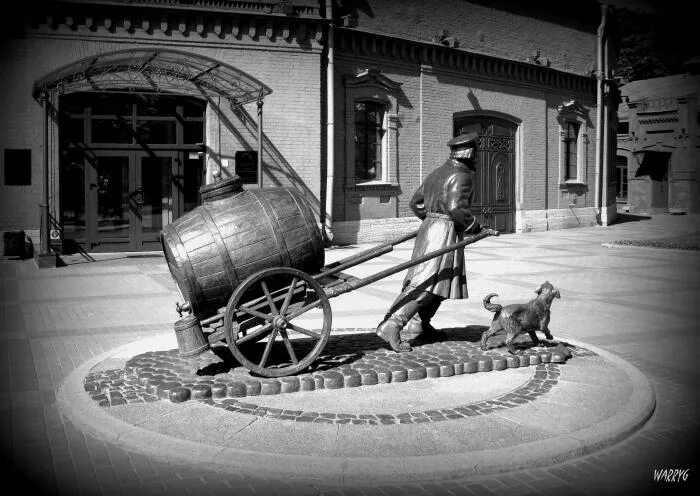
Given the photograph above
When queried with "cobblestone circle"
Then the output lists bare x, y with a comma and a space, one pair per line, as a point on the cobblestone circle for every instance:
348, 361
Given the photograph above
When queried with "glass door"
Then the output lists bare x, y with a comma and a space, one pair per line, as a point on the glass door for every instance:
153, 196
111, 214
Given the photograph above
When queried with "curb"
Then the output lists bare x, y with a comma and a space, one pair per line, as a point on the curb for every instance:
80, 409
635, 247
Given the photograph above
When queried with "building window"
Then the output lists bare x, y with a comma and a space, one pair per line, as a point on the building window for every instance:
18, 167
571, 151
621, 178
371, 133
573, 146
623, 127
370, 129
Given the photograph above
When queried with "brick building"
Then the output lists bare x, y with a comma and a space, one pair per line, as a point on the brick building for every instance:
658, 148
118, 111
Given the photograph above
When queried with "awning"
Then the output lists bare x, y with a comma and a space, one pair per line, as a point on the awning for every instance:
150, 70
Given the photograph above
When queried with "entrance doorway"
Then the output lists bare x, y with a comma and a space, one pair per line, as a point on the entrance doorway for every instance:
130, 165
494, 190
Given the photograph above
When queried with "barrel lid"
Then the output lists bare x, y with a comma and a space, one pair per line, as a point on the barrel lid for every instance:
232, 182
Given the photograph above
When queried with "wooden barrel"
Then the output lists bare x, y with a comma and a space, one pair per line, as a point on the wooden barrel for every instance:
215, 247
221, 189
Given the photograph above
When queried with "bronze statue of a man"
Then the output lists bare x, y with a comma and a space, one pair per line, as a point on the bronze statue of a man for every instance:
443, 202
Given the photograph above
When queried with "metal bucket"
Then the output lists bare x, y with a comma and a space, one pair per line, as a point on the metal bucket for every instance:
190, 338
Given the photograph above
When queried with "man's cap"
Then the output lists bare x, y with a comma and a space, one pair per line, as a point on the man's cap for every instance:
463, 140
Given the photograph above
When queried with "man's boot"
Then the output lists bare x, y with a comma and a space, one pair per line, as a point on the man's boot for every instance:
389, 330
420, 322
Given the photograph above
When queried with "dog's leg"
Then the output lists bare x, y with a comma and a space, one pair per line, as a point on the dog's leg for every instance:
513, 328
533, 336
544, 326
495, 327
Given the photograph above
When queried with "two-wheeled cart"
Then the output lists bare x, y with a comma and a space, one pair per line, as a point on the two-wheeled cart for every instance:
278, 303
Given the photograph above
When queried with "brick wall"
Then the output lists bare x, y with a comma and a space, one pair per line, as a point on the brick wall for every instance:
446, 92
292, 112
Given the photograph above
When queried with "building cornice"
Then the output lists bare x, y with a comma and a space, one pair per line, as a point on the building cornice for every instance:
199, 22
439, 57
290, 8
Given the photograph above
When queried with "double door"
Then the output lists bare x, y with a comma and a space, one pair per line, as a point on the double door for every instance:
130, 197
119, 200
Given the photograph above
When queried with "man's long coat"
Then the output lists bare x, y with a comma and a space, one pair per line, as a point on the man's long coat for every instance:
443, 202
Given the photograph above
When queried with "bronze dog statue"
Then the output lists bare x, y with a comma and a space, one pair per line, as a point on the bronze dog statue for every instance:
518, 318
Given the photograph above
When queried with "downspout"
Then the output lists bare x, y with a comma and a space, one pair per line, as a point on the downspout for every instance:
44, 207
260, 139
330, 130
606, 137
599, 110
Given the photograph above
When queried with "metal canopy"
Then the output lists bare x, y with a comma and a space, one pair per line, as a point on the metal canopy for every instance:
150, 70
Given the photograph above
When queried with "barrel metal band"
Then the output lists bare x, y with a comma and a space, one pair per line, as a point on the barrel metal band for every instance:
186, 266
273, 222
311, 229
221, 247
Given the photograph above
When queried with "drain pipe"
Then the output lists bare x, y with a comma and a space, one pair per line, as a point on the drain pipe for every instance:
599, 111
330, 130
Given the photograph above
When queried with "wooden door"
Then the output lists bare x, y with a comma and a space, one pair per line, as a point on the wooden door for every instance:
494, 195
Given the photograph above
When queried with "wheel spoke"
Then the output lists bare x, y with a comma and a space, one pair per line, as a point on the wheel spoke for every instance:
303, 309
288, 344
254, 334
301, 330
288, 296
268, 347
255, 313
273, 307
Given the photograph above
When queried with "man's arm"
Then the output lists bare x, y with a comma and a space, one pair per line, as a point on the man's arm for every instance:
417, 203
459, 192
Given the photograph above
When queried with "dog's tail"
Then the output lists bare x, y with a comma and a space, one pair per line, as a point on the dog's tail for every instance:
491, 307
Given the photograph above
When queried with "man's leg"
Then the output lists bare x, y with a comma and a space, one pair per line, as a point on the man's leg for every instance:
407, 306
420, 322
404, 307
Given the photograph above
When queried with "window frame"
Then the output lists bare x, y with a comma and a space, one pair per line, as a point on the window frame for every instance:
572, 113
373, 87
381, 175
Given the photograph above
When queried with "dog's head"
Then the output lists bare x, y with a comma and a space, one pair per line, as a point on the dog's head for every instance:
547, 290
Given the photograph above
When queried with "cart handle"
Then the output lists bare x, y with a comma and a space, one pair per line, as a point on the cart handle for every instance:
364, 256
359, 283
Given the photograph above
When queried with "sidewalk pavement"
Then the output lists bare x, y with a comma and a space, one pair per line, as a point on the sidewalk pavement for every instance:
640, 304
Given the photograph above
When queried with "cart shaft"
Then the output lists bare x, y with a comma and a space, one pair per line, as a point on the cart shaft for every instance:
359, 283
358, 258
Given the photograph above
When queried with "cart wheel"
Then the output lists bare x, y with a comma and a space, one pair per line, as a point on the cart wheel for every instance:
277, 305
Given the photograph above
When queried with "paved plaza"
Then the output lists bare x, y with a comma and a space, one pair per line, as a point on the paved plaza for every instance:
602, 429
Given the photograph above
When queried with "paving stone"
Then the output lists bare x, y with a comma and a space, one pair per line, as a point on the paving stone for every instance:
252, 386
398, 373
307, 383
332, 380
201, 391
270, 386
179, 394
499, 363
447, 369
236, 389
164, 389
351, 378
290, 384
485, 363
